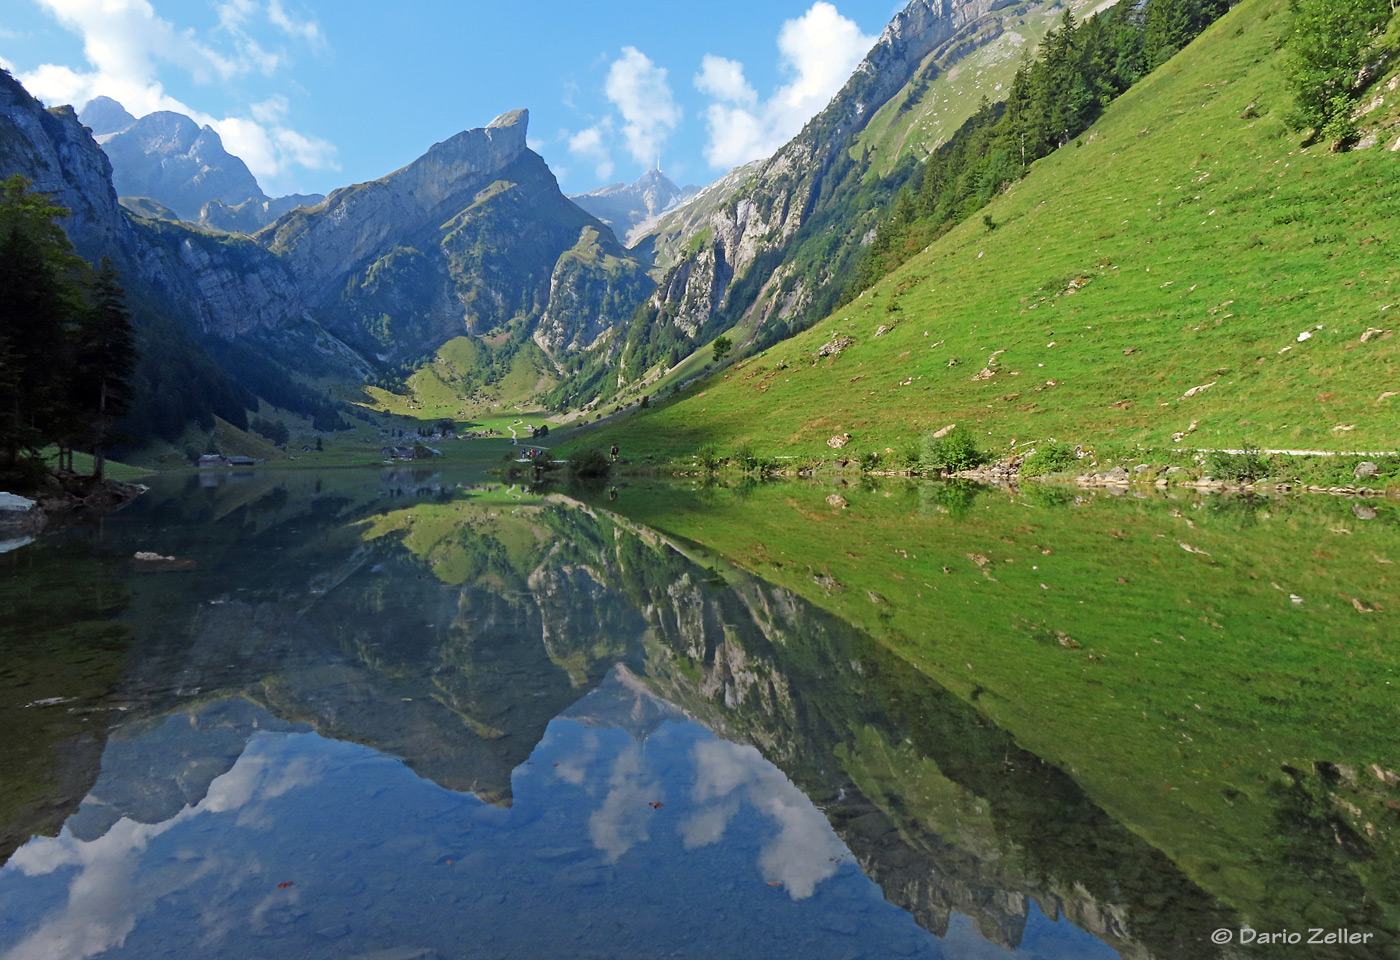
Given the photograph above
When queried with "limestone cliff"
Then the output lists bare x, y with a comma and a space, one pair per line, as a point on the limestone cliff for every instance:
170, 158
737, 259
474, 237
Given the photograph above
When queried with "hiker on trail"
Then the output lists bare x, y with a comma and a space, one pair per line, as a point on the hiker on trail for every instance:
614, 451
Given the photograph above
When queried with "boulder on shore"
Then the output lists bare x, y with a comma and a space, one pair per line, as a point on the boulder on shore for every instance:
19, 517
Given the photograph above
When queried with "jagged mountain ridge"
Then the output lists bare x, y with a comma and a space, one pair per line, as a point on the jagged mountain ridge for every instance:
169, 158
475, 237
630, 209
777, 246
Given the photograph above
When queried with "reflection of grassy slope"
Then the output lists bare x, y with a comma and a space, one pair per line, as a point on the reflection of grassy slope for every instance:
463, 541
1208, 243
1194, 681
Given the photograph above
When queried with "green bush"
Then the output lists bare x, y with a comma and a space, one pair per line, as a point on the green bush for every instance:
953, 498
953, 452
1248, 464
589, 463
1048, 458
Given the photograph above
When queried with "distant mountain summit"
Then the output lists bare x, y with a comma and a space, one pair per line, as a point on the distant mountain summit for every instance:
168, 158
104, 116
626, 207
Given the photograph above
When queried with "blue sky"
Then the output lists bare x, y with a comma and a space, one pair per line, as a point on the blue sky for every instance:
316, 94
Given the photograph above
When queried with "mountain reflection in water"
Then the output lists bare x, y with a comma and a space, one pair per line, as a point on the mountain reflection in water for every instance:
459, 720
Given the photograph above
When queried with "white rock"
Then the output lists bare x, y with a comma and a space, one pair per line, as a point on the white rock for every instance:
9, 501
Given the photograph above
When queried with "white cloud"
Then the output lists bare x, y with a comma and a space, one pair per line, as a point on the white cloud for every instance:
591, 145
308, 30
271, 110
817, 50
127, 45
724, 81
641, 93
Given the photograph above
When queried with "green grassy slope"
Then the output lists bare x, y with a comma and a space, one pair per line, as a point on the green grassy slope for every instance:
1183, 242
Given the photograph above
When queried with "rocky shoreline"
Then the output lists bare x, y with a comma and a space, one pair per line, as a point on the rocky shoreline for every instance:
1145, 476
61, 494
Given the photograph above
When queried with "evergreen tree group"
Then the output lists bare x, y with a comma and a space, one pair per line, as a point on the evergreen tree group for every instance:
1327, 52
1080, 69
67, 349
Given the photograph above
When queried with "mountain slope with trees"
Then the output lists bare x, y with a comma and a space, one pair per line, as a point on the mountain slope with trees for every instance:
781, 246
1185, 268
67, 348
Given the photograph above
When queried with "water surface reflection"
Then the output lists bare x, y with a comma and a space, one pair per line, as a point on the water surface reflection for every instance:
408, 712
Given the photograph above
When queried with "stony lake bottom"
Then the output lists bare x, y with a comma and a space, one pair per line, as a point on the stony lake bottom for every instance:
407, 713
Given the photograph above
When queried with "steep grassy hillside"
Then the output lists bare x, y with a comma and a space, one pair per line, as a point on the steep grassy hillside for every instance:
1185, 245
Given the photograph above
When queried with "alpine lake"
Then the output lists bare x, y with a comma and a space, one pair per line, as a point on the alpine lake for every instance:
403, 714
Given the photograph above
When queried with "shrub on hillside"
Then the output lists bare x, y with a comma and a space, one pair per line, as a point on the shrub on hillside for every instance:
1048, 458
589, 463
1248, 464
955, 451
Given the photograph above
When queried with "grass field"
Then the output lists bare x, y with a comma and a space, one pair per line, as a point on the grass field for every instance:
449, 386
1184, 268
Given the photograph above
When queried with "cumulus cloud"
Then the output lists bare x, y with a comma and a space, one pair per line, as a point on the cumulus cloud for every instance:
641, 93
127, 45
817, 51
105, 900
591, 146
723, 80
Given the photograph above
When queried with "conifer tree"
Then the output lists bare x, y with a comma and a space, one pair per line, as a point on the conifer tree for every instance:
106, 358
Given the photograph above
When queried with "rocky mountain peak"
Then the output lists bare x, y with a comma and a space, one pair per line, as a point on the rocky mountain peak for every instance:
510, 119
628, 207
105, 116
168, 157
